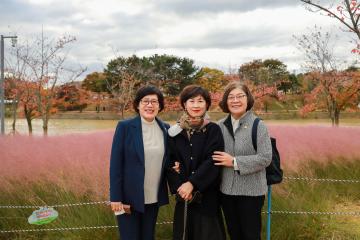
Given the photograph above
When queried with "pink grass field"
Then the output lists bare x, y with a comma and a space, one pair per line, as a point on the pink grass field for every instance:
81, 162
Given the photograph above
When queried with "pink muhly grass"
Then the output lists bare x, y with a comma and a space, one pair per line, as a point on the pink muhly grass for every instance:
298, 144
80, 162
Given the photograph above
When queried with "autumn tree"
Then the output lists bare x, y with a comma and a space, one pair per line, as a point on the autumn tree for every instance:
267, 77
14, 87
211, 79
347, 12
71, 97
46, 59
22, 94
28, 102
123, 75
334, 89
95, 82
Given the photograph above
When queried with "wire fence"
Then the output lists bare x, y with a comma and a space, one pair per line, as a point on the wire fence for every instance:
352, 213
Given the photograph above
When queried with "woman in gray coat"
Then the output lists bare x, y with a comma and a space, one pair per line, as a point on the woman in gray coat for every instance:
243, 179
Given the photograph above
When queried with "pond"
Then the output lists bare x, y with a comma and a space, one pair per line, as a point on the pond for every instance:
67, 126
61, 126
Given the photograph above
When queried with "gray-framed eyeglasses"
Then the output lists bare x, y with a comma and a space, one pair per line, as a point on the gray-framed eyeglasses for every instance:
233, 98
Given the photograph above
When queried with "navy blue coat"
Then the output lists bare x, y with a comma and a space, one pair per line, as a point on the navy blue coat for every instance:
127, 167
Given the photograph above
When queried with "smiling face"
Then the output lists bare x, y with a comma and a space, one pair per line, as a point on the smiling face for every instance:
237, 102
196, 106
149, 107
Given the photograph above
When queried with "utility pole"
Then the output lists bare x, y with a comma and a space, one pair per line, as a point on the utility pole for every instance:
2, 80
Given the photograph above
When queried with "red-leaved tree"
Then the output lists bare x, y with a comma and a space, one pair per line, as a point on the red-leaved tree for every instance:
335, 91
347, 12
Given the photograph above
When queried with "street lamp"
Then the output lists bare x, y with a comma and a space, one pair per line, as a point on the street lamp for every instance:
2, 81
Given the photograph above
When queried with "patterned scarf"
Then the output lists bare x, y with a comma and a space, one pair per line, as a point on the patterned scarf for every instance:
193, 124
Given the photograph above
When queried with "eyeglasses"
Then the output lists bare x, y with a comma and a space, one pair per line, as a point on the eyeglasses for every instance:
146, 102
233, 98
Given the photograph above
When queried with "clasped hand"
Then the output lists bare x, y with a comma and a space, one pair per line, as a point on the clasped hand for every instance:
185, 191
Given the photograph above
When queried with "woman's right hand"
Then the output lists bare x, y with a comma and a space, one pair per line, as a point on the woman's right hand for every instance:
117, 206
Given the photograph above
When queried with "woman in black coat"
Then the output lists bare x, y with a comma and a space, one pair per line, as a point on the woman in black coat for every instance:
195, 179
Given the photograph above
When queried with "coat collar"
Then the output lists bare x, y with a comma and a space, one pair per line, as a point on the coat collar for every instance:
228, 125
243, 119
139, 145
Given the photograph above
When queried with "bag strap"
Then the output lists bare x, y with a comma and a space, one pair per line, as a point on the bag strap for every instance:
254, 133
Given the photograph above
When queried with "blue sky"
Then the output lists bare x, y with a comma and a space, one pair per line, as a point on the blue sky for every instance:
216, 33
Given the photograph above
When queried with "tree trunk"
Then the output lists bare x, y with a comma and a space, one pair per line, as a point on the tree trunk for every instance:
27, 114
45, 119
337, 117
266, 106
15, 106
122, 112
45, 126
29, 123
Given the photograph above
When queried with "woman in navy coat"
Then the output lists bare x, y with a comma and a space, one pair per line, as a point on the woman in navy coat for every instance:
137, 186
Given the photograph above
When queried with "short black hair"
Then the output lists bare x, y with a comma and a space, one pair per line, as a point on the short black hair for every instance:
231, 86
192, 91
148, 90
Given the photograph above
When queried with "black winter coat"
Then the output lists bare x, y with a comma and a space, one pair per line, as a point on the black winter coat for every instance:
197, 166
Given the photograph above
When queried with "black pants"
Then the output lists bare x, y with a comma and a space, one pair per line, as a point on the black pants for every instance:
243, 216
139, 226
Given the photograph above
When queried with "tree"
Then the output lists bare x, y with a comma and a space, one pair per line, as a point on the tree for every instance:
95, 82
251, 71
335, 92
347, 12
318, 50
269, 72
18, 70
28, 102
123, 75
22, 94
171, 73
46, 59
266, 77
70, 97
333, 89
211, 79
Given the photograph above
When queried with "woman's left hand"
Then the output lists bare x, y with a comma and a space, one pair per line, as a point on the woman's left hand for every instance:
223, 159
185, 190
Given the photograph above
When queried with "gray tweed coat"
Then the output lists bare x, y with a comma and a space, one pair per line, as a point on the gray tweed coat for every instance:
250, 180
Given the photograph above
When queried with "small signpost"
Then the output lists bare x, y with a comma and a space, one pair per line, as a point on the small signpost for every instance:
43, 215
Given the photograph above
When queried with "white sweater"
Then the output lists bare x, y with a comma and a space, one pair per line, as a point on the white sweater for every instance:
153, 140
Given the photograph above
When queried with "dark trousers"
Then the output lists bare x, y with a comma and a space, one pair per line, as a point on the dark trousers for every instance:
139, 226
243, 216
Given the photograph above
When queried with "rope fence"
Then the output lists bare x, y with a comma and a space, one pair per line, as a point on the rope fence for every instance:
323, 179
170, 222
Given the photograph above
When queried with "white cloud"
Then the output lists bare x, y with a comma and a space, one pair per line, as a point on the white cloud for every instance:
217, 33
